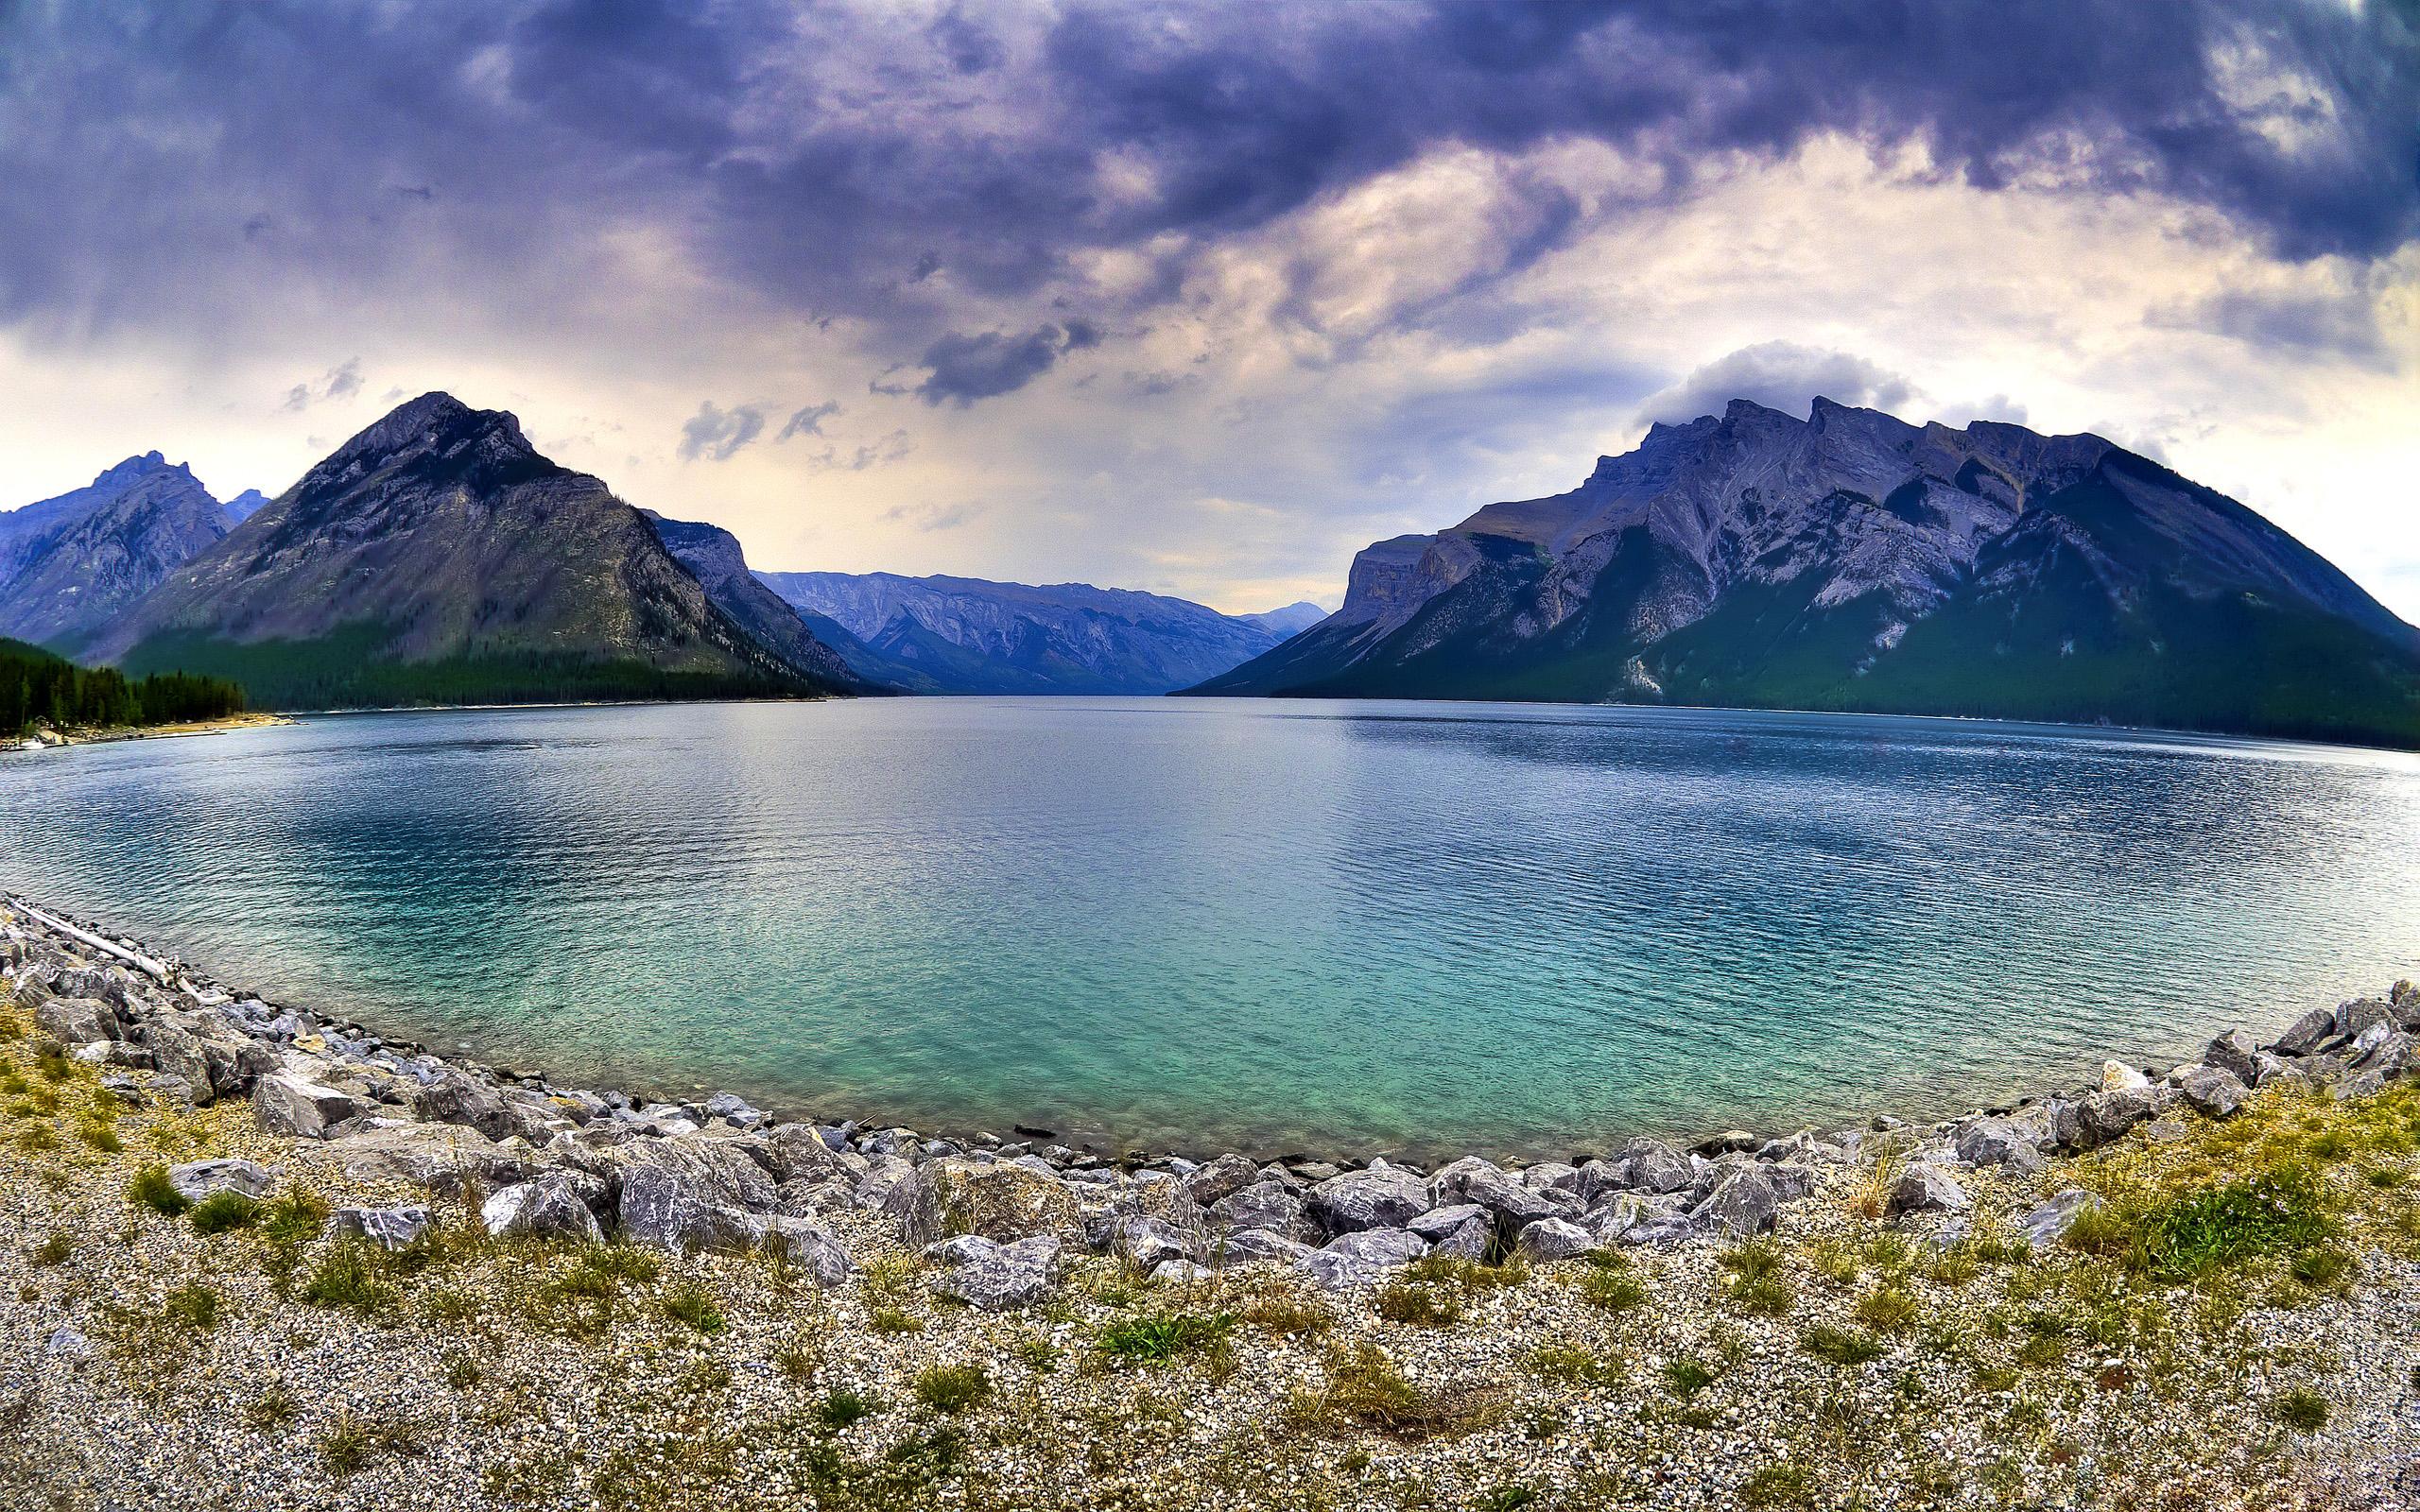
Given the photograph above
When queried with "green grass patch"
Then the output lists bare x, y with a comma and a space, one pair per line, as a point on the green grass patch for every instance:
1156, 1337
693, 1304
152, 1188
1841, 1346
845, 1405
952, 1388
223, 1211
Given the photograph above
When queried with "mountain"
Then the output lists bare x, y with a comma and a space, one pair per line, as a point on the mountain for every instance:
437, 558
967, 635
1853, 561
714, 556
245, 504
68, 565
1290, 621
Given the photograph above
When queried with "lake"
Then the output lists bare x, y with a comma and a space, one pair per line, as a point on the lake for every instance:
1266, 925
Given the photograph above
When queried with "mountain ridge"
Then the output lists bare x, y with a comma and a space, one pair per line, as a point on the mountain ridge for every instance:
1855, 561
71, 563
952, 634
437, 556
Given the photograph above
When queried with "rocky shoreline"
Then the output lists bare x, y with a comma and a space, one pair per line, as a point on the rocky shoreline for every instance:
406, 1152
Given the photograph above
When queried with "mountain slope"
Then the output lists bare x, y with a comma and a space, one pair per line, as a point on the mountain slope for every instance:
714, 556
968, 635
68, 565
437, 557
1291, 620
1853, 561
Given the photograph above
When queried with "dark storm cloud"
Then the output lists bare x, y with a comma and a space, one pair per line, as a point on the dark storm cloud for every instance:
808, 419
2341, 324
717, 434
164, 163
968, 368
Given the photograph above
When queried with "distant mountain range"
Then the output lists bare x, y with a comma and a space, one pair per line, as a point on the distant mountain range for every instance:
1848, 560
1854, 561
437, 557
969, 635
71, 564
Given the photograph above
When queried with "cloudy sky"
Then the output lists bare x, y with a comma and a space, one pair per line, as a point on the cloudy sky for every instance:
1203, 297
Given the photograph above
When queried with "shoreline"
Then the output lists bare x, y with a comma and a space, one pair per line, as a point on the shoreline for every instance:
269, 1258
1081, 1141
357, 1045
251, 720
1081, 1138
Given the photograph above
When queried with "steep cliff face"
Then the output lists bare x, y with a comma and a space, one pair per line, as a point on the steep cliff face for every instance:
1851, 560
437, 557
70, 565
967, 635
716, 558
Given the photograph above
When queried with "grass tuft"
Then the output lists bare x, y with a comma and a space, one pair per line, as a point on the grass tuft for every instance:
952, 1388
152, 1188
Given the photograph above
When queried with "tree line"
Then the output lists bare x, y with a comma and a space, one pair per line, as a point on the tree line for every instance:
37, 688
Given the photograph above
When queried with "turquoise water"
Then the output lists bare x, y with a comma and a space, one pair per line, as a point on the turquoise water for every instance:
1273, 925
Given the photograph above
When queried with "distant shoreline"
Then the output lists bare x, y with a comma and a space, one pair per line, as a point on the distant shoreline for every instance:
193, 727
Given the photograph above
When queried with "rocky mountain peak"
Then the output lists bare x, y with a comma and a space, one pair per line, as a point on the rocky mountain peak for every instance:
1849, 560
434, 437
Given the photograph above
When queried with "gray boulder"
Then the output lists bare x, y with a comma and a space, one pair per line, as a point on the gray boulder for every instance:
995, 1277
1554, 1239
2307, 1033
284, 1103
2213, 1090
2046, 1225
736, 1111
1472, 1239
1262, 1205
2385, 1049
2358, 1085
386, 1228
1998, 1142
1744, 1203
555, 1206
687, 1194
810, 1249
798, 1155
1337, 1271
1438, 1222
1379, 1247
1471, 1179
1651, 1166
199, 1179
448, 1160
1147, 1241
1222, 1178
457, 1098
1382, 1198
1923, 1187
1791, 1181
177, 1051
2362, 1014
996, 1200
77, 1021
2107, 1115
881, 1179
2232, 1052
